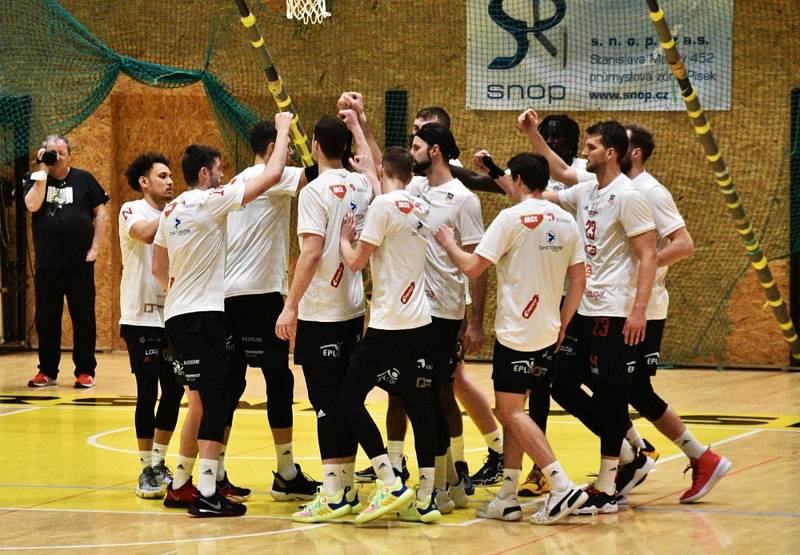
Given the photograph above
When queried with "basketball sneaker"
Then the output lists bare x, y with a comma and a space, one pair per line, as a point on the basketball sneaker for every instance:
352, 498
324, 506
559, 504
491, 472
597, 503
163, 473
443, 501
706, 472
301, 487
507, 508
650, 450
535, 484
463, 475
215, 506
42, 380
385, 499
182, 497
149, 487
424, 510
84, 381
632, 474
458, 494
232, 493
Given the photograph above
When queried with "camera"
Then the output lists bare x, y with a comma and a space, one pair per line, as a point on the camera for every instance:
50, 157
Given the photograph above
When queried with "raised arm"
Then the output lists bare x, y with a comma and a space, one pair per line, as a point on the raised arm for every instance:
363, 162
355, 257
277, 161
528, 123
144, 231
352, 100
310, 254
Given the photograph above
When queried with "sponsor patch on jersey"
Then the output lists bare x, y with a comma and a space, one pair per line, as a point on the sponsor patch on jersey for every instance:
337, 277
404, 298
339, 191
531, 221
530, 307
170, 207
404, 206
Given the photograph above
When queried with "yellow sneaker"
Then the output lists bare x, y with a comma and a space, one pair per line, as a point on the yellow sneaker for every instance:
385, 499
424, 510
324, 507
535, 484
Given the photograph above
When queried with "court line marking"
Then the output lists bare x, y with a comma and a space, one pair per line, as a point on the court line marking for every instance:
718, 511
18, 411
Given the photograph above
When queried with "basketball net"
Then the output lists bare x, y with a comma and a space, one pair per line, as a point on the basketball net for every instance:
307, 11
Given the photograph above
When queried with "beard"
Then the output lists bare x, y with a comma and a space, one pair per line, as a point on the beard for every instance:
419, 168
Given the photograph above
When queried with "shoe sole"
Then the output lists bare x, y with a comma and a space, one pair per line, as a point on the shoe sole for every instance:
336, 513
283, 496
428, 518
81, 386
608, 509
400, 501
49, 384
566, 510
142, 494
508, 517
212, 514
638, 477
235, 498
722, 468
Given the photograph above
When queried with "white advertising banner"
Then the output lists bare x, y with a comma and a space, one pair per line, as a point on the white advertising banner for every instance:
594, 54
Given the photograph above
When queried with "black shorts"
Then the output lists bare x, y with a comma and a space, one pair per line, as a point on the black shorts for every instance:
443, 347
146, 345
518, 371
250, 321
602, 348
393, 360
326, 344
649, 349
198, 339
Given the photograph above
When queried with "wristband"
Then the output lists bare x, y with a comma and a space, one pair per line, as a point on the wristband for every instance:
494, 170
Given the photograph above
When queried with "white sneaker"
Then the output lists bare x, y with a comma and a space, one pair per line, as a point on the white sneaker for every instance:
559, 504
149, 487
444, 502
458, 494
501, 509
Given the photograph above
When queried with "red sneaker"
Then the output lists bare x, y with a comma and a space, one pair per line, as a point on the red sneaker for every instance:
182, 497
41, 380
706, 472
84, 381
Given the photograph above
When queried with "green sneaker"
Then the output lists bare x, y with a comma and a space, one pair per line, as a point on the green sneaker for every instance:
324, 507
424, 510
385, 499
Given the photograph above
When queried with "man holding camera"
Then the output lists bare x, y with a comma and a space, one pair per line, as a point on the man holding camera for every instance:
68, 220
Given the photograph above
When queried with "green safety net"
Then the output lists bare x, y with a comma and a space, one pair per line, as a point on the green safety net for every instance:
484, 61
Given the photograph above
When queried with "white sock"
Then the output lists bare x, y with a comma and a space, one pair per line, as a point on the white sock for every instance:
347, 470
395, 452
286, 468
207, 482
183, 471
383, 469
626, 453
452, 474
606, 476
510, 482
159, 453
221, 466
557, 477
440, 476
331, 478
457, 446
494, 440
145, 459
426, 478
689, 445
633, 436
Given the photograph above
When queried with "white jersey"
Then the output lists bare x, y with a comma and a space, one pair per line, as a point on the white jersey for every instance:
452, 204
579, 165
335, 294
258, 238
668, 220
532, 244
608, 218
396, 225
193, 229
141, 297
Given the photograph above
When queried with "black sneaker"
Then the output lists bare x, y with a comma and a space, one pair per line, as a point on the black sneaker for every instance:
599, 503
232, 493
463, 476
403, 474
301, 487
216, 505
633, 474
650, 450
365, 476
491, 472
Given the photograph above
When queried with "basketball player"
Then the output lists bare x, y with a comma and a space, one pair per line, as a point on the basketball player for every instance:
189, 261
619, 237
142, 321
535, 245
256, 278
327, 301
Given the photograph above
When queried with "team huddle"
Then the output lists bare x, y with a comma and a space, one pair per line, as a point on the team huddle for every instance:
580, 258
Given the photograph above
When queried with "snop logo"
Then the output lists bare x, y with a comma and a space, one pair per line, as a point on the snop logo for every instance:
520, 30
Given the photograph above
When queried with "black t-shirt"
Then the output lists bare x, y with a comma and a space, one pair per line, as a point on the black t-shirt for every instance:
63, 227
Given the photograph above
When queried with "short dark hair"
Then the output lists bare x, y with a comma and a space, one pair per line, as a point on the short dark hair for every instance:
261, 135
612, 135
435, 133
565, 126
195, 158
333, 137
435, 112
398, 163
641, 137
532, 168
141, 166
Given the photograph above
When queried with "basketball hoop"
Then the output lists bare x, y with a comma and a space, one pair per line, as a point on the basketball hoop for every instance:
307, 11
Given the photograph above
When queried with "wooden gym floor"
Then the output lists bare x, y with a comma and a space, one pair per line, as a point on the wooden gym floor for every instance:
69, 468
